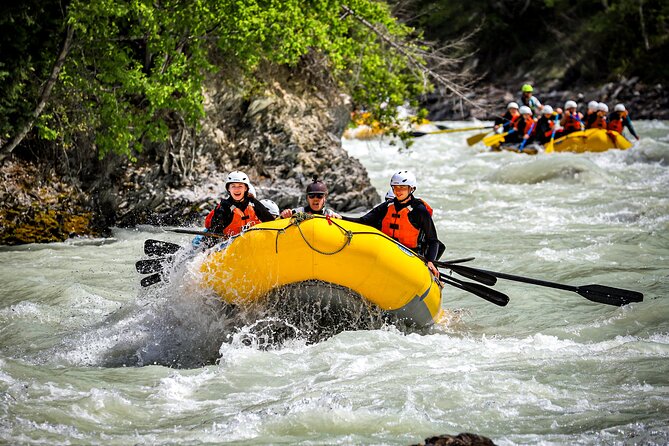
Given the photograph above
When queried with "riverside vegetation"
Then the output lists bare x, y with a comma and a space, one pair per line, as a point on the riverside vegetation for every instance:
128, 112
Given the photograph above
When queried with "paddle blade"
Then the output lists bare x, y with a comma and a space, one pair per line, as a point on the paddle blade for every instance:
475, 139
548, 148
150, 280
494, 139
608, 295
160, 248
149, 266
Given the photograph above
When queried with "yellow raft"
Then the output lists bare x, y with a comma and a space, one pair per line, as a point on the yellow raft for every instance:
314, 249
591, 140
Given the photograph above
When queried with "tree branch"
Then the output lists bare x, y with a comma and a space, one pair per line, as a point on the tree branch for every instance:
45, 93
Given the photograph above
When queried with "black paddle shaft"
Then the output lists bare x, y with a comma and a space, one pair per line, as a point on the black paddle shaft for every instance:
596, 293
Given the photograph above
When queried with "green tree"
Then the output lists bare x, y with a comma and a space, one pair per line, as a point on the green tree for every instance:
128, 70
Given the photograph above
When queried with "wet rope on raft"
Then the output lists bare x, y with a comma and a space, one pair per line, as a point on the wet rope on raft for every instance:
300, 217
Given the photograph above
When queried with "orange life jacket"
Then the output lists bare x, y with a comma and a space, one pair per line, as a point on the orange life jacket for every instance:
240, 220
528, 124
572, 124
616, 122
599, 123
397, 226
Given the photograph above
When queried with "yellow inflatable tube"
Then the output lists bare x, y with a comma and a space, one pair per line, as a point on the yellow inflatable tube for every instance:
591, 140
358, 257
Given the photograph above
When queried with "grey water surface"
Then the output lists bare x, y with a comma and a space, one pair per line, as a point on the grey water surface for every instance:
87, 356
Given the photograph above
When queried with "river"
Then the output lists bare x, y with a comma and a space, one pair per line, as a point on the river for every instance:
84, 349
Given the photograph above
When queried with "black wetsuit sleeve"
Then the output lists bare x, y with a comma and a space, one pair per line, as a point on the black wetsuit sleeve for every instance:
429, 242
372, 218
261, 211
627, 122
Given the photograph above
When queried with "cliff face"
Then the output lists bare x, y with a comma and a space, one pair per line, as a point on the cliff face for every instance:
282, 134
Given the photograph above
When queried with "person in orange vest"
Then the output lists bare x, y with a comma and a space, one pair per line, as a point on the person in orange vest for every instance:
545, 125
619, 119
508, 120
317, 193
523, 128
239, 211
406, 219
572, 120
591, 114
600, 119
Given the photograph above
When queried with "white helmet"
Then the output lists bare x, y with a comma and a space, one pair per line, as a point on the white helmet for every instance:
619, 108
602, 107
547, 110
252, 190
237, 176
390, 194
592, 105
525, 110
403, 178
512, 105
570, 104
271, 207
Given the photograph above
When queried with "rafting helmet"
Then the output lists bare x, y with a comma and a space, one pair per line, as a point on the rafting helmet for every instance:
271, 207
317, 186
390, 194
547, 110
527, 88
592, 105
403, 178
602, 107
619, 108
570, 104
525, 110
512, 105
237, 176
252, 190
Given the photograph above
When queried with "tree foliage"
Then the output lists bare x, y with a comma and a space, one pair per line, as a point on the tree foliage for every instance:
589, 41
135, 67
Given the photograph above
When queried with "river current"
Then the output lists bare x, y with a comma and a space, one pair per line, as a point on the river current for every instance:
87, 355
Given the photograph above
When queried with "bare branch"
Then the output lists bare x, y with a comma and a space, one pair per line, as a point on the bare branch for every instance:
45, 93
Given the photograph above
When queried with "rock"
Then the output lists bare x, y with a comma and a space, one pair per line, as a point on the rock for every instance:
464, 439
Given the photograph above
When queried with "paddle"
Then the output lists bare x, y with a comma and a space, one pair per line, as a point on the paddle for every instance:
464, 129
477, 138
595, 293
150, 280
194, 232
549, 146
496, 139
522, 145
486, 293
471, 273
160, 248
149, 266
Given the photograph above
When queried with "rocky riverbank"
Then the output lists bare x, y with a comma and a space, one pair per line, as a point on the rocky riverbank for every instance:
281, 135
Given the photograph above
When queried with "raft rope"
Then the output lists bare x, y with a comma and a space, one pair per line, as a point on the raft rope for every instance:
300, 217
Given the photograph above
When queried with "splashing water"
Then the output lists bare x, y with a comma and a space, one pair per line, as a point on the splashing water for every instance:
549, 368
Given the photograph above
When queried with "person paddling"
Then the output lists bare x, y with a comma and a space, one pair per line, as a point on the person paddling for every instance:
591, 114
406, 219
572, 120
508, 119
239, 211
317, 193
619, 119
599, 121
545, 124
